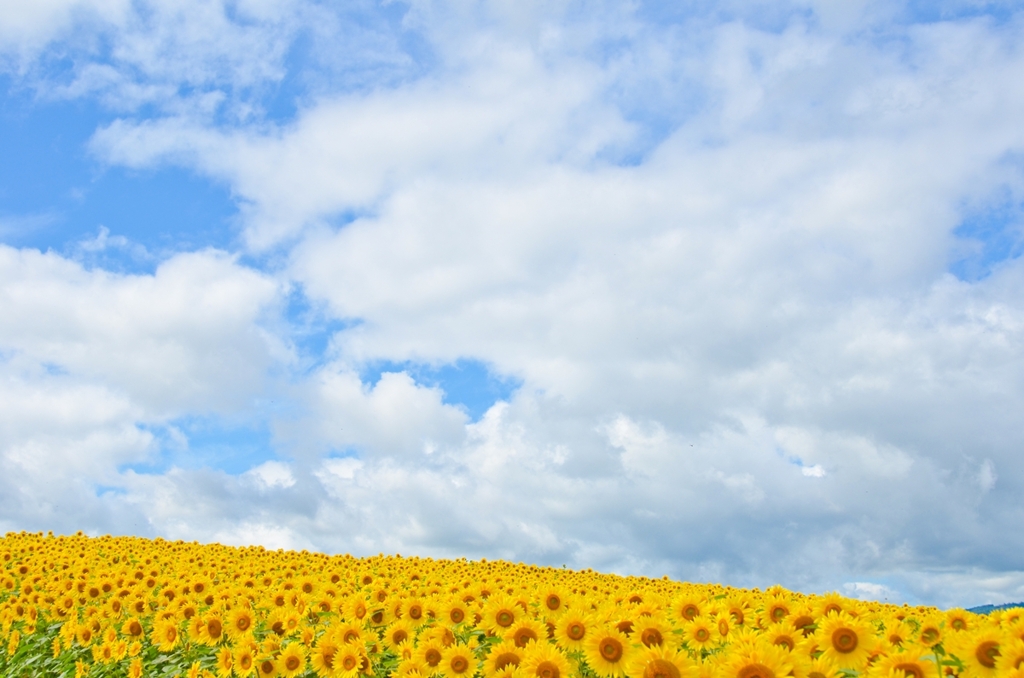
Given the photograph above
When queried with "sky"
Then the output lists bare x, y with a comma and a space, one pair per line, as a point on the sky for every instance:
729, 291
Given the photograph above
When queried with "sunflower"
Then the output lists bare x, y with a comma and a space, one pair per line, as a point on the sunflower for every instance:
929, 633
553, 600
135, 669
843, 640
783, 633
348, 633
454, 612
760, 660
524, 631
165, 635
347, 661
651, 630
500, 612
323, 656
572, 628
806, 667
828, 603
292, 661
739, 606
415, 612
225, 662
133, 628
979, 650
700, 634
501, 656
244, 661
457, 662
1011, 655
914, 663
544, 660
607, 651
429, 653
241, 622
266, 667
658, 661
777, 608
959, 619
687, 606
212, 630
399, 631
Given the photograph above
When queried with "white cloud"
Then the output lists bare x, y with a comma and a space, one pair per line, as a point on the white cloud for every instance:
186, 338
742, 354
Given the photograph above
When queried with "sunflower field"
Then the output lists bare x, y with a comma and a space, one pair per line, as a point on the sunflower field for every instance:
125, 606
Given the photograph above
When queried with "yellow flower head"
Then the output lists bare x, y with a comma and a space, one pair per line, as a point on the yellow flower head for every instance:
457, 661
502, 656
572, 628
526, 630
757, 661
292, 661
607, 651
843, 640
979, 651
544, 660
659, 661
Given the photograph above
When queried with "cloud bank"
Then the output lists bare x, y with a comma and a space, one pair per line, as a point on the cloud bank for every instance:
756, 270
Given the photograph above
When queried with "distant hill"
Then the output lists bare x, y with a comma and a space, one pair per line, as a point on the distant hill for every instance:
985, 609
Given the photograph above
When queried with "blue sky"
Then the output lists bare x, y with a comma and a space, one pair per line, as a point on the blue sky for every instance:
650, 288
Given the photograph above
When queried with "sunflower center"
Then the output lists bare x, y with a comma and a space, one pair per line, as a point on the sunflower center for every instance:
651, 637
553, 602
267, 668
432, 656
576, 631
506, 659
786, 642
690, 611
755, 671
349, 662
459, 664
911, 670
661, 668
959, 624
802, 622
702, 635
986, 654
844, 640
243, 622
548, 669
214, 628
929, 636
135, 629
245, 662
504, 618
456, 615
779, 612
171, 634
611, 649
524, 636
292, 663
415, 612
399, 636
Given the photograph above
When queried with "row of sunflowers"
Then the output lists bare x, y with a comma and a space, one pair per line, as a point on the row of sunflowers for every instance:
124, 606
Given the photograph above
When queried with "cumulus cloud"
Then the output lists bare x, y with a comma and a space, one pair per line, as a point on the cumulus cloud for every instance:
717, 253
